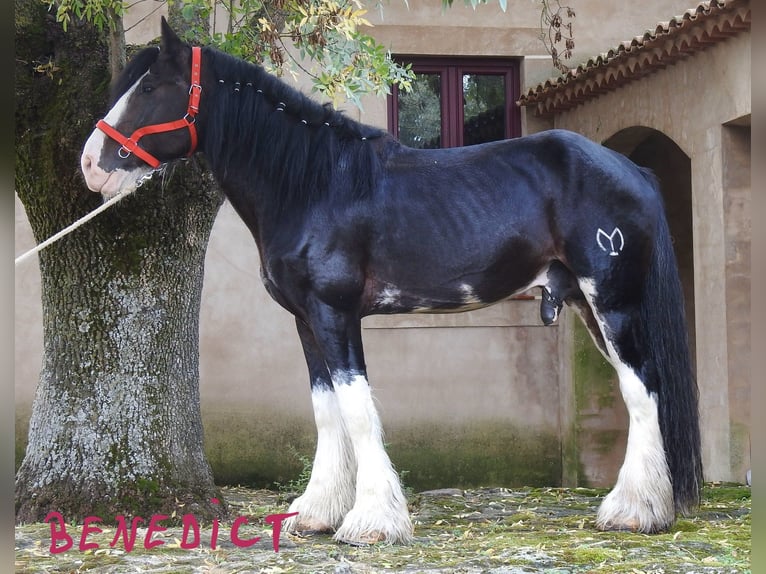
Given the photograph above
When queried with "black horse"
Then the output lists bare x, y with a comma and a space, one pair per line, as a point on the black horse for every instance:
349, 222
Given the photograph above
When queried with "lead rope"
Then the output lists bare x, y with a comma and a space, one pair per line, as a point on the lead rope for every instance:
67, 230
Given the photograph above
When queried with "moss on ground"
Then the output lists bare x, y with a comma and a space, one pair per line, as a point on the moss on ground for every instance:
510, 531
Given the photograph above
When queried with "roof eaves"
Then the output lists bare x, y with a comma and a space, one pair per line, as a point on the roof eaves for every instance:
693, 31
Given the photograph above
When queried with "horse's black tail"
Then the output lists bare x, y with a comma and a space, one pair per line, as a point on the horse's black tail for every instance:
668, 371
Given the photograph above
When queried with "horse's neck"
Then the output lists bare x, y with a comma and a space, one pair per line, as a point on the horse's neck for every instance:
285, 174
248, 198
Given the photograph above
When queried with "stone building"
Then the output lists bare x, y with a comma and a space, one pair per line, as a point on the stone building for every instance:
492, 397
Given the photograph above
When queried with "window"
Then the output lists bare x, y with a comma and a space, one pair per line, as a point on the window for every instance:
457, 102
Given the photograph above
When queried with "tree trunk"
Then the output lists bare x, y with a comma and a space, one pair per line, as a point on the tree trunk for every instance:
115, 425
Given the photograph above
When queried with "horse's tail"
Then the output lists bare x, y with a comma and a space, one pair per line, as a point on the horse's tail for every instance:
669, 371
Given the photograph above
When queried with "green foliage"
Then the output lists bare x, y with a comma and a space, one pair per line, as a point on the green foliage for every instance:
361, 66
299, 483
282, 35
285, 34
323, 38
345, 63
101, 13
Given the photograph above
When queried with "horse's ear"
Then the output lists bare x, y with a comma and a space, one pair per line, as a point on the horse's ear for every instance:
170, 41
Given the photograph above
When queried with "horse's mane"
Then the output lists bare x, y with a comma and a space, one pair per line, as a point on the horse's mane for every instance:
135, 68
257, 124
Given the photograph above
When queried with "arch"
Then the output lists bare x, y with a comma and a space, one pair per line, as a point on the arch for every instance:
653, 149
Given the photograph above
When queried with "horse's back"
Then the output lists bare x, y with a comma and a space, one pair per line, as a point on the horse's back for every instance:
551, 165
556, 179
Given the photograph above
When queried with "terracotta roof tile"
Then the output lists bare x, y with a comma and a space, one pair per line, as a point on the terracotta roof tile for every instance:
696, 29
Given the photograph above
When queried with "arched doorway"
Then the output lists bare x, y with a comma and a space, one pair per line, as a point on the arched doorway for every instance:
653, 149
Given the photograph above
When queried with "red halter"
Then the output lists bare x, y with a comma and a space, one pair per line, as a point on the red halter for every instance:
130, 144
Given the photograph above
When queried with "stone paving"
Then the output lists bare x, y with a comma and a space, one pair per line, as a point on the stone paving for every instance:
488, 530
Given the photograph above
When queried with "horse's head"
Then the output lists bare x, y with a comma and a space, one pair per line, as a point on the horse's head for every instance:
152, 120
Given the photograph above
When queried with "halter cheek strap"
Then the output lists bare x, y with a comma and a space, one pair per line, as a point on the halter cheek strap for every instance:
130, 144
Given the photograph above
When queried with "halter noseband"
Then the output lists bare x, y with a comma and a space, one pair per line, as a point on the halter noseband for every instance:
130, 144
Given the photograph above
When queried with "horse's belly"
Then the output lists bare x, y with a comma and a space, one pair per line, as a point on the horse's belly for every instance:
453, 297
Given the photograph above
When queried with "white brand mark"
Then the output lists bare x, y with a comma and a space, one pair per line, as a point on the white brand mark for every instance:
616, 241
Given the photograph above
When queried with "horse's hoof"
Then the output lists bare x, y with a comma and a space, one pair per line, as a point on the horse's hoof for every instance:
309, 533
365, 539
306, 528
631, 525
626, 526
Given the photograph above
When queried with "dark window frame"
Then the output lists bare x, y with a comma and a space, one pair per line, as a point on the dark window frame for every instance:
452, 70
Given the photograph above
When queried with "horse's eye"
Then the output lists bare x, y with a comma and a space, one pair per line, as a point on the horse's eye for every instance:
146, 89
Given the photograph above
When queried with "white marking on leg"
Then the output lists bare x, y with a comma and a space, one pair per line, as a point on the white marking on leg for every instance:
642, 499
588, 288
380, 509
330, 492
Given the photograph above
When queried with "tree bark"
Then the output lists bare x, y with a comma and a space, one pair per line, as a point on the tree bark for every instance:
116, 425
117, 55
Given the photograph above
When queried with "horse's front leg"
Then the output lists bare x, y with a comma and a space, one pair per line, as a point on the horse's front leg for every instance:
380, 510
329, 494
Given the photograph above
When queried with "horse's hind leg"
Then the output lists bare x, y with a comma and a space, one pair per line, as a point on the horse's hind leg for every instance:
329, 494
642, 499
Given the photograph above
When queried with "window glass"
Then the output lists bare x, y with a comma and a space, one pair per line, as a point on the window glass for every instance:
483, 108
420, 119
456, 102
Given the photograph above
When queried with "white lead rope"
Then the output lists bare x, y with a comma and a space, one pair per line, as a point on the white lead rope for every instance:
72, 227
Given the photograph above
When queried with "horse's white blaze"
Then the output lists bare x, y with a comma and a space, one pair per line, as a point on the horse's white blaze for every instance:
380, 508
329, 494
110, 183
642, 499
